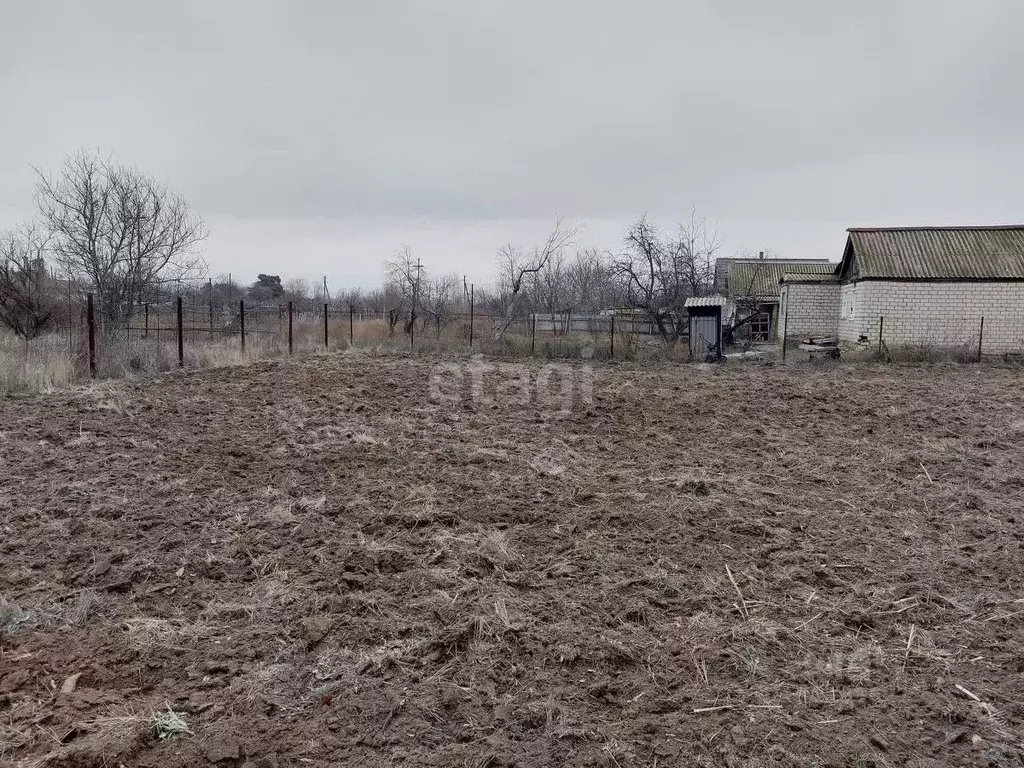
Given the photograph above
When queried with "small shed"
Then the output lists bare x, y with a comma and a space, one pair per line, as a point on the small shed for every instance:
705, 316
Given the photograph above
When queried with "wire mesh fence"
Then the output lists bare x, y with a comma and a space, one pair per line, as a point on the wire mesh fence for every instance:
199, 327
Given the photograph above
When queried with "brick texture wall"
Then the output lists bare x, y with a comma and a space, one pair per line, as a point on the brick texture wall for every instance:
934, 314
809, 309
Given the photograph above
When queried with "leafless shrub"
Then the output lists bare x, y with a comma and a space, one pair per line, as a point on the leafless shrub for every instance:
28, 298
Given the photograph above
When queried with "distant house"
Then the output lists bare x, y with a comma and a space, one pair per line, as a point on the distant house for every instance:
937, 286
753, 289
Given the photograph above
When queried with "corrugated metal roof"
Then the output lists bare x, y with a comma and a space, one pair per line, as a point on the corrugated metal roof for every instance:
723, 264
939, 253
801, 277
705, 301
761, 278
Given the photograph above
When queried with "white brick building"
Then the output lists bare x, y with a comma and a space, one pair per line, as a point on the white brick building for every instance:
930, 286
809, 305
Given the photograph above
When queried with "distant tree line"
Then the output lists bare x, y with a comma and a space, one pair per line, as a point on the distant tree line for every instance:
111, 230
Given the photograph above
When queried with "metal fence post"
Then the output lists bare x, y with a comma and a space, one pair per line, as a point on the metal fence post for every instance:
71, 337
325, 327
211, 309
612, 336
181, 337
351, 324
533, 335
471, 315
145, 332
881, 325
241, 320
785, 333
981, 336
291, 346
91, 321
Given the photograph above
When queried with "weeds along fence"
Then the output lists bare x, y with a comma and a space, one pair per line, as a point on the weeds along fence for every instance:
188, 332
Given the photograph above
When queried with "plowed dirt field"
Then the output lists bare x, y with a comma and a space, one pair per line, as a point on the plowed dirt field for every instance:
316, 563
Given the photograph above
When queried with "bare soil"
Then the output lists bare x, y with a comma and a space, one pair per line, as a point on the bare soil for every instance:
314, 564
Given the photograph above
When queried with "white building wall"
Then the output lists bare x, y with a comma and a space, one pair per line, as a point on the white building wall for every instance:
934, 314
851, 318
809, 309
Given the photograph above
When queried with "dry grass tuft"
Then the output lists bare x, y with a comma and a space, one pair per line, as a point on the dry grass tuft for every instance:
146, 635
483, 551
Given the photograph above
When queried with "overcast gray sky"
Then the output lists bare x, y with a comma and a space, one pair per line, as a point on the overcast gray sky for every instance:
317, 137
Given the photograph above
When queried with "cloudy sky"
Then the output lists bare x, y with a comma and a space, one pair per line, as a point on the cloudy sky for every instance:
317, 137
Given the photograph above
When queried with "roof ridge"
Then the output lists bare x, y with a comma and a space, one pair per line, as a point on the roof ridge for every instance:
946, 228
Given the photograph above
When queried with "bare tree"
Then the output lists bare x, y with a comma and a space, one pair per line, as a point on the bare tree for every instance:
439, 298
648, 279
550, 286
695, 250
118, 230
659, 274
514, 266
27, 301
589, 281
402, 282
297, 289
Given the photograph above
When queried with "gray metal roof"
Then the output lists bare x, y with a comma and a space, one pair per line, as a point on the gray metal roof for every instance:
760, 278
804, 277
705, 301
723, 266
937, 253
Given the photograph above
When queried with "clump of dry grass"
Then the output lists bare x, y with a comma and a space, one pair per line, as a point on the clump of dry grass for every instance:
73, 613
147, 634
14, 618
168, 724
486, 551
39, 365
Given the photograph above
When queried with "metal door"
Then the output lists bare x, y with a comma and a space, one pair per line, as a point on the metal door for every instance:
703, 335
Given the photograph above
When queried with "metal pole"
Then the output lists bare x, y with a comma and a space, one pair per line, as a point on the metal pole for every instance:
211, 309
981, 336
351, 324
71, 342
91, 320
881, 325
533, 335
612, 336
325, 326
291, 346
241, 320
785, 333
471, 315
181, 337
415, 300
146, 332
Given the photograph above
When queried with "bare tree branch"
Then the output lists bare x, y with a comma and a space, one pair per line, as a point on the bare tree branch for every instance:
659, 274
118, 230
514, 266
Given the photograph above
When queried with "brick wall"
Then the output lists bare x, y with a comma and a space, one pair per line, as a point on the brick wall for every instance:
851, 322
809, 309
934, 314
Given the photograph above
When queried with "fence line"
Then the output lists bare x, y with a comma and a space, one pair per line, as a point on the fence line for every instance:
182, 328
